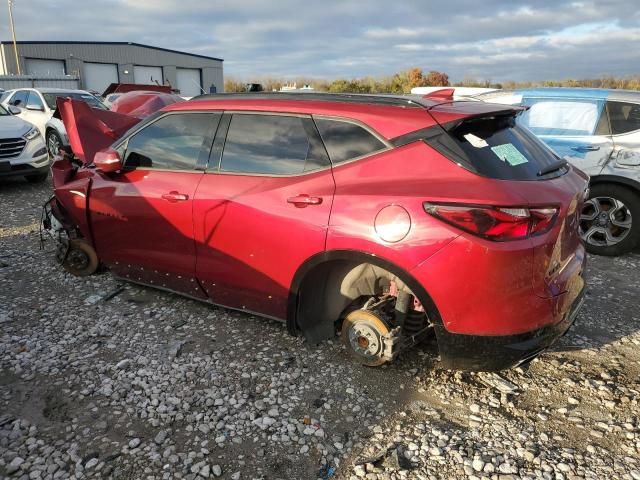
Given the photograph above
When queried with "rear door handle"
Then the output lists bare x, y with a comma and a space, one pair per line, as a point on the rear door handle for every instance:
303, 200
586, 148
174, 197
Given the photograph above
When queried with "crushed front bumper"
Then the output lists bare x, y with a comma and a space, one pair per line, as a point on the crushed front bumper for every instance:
493, 353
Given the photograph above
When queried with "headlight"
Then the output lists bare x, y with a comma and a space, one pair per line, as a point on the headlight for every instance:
31, 134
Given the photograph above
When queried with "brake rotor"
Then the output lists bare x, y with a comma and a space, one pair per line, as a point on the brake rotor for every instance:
363, 334
81, 259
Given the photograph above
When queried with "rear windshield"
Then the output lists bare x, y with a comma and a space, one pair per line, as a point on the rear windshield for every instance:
496, 147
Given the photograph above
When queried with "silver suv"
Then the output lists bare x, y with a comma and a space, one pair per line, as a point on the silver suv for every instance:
597, 130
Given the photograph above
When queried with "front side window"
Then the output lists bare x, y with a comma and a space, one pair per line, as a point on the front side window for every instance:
174, 142
562, 117
624, 117
346, 140
34, 101
271, 145
5, 95
20, 98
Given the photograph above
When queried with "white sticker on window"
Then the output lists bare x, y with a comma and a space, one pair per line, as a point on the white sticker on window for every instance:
475, 141
510, 154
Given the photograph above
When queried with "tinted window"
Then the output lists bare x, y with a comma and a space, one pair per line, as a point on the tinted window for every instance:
93, 102
4, 96
174, 142
34, 101
562, 117
624, 117
496, 147
271, 144
345, 140
20, 98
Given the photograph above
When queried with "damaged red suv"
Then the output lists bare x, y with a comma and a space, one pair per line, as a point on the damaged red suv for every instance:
377, 218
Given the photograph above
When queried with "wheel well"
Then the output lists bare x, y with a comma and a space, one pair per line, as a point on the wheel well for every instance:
616, 180
329, 283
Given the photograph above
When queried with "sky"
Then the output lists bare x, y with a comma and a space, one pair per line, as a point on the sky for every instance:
493, 40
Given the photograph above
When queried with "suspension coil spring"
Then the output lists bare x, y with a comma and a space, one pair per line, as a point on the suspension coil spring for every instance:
414, 322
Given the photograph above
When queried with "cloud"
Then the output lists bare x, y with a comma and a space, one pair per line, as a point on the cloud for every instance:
494, 39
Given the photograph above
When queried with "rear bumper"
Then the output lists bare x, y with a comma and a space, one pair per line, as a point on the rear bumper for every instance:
493, 353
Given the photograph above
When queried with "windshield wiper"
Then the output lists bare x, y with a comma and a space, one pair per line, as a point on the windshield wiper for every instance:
553, 167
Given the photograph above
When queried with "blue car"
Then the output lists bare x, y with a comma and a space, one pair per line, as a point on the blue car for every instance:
597, 130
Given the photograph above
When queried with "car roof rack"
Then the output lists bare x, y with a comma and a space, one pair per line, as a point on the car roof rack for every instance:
414, 101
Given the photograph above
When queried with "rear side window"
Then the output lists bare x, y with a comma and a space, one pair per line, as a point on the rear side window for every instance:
346, 141
624, 117
174, 142
562, 117
496, 147
271, 145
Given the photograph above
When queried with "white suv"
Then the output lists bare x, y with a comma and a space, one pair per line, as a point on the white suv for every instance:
37, 106
22, 148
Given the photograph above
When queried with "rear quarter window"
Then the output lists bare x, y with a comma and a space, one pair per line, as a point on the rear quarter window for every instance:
345, 140
624, 117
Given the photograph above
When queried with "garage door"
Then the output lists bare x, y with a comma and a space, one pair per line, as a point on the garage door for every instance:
189, 81
147, 75
45, 68
98, 76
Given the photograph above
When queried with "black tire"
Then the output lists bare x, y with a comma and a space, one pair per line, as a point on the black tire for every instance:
37, 178
627, 238
53, 138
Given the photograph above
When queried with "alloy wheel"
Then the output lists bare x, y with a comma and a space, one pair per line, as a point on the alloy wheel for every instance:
604, 221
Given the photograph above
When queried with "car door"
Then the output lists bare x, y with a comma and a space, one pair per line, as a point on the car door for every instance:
575, 128
261, 209
141, 217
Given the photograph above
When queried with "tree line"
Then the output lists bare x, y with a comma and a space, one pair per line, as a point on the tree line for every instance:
404, 81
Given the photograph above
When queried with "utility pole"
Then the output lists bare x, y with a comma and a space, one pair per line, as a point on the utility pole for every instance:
13, 34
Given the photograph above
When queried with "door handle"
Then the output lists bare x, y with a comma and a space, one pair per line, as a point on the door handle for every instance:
174, 197
304, 200
586, 148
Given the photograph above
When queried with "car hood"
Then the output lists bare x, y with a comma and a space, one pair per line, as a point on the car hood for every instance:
90, 130
13, 127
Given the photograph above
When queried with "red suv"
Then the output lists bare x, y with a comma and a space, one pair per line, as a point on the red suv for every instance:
378, 218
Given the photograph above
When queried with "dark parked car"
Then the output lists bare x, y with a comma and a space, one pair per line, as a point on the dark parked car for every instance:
382, 218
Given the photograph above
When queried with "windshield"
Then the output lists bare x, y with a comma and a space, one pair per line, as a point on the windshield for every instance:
93, 102
3, 111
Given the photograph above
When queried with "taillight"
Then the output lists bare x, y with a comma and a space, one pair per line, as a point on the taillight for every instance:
495, 223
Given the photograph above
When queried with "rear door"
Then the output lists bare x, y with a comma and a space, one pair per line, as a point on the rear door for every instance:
142, 217
261, 209
575, 128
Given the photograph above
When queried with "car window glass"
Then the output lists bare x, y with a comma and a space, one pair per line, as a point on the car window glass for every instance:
20, 98
34, 101
269, 144
173, 142
624, 117
562, 117
5, 95
346, 140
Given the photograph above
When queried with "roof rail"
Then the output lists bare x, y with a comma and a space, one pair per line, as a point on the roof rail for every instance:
412, 101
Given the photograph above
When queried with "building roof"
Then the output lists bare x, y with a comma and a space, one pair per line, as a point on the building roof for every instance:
133, 44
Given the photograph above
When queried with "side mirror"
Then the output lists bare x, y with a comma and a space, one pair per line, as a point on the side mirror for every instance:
13, 110
37, 108
107, 160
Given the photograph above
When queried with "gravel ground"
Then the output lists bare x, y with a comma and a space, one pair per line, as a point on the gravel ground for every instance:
152, 385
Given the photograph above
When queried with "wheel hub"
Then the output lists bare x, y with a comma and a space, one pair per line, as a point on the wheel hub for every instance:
365, 340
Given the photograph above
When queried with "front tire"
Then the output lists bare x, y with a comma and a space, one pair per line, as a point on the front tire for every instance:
54, 143
610, 220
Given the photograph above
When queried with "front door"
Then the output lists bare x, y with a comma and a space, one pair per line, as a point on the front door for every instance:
576, 129
142, 217
261, 209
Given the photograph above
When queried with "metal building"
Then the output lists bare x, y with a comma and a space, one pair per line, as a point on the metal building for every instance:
97, 64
